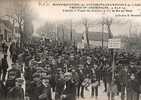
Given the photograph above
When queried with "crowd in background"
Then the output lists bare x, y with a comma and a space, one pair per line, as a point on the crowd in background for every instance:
58, 71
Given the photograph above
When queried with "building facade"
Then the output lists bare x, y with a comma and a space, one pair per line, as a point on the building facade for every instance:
5, 30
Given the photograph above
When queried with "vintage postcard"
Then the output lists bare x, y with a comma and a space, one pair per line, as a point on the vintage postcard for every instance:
70, 49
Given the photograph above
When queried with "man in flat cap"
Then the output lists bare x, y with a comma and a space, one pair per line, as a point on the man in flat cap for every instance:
132, 68
60, 83
123, 75
4, 67
35, 87
45, 93
70, 88
13, 74
133, 88
17, 92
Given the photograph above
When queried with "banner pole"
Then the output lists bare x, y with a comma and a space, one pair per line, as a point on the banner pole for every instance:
113, 64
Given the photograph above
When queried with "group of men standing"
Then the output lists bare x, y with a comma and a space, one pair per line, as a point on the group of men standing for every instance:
10, 77
63, 72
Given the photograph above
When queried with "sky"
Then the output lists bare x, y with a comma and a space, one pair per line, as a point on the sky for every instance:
53, 14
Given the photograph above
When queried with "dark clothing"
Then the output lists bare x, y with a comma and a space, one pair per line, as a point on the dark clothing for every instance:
133, 90
4, 63
70, 90
14, 57
4, 67
123, 75
95, 84
16, 93
87, 69
132, 70
123, 79
35, 90
79, 86
59, 88
28, 73
5, 48
82, 91
12, 75
12, 48
2, 91
52, 81
9, 84
45, 94
94, 91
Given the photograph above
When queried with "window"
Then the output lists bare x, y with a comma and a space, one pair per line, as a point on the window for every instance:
1, 37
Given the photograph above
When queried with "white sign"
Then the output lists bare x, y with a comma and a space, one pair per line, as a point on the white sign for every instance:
114, 43
80, 45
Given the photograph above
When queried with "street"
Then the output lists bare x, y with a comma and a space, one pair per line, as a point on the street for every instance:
101, 94
87, 96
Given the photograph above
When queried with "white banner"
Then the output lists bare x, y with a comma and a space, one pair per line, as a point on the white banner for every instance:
114, 43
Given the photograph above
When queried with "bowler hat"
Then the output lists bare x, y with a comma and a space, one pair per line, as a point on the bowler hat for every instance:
36, 75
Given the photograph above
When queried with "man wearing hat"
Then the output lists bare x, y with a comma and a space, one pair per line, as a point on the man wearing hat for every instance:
123, 75
69, 92
34, 87
45, 93
15, 71
132, 68
81, 79
4, 67
17, 92
107, 78
95, 84
4, 47
59, 87
133, 88
13, 74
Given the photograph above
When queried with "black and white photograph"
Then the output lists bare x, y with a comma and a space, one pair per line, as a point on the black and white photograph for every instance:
70, 50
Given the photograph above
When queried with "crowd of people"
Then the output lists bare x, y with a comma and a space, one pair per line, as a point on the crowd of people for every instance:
60, 71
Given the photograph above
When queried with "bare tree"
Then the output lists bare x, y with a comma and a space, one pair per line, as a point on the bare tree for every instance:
71, 31
108, 23
19, 12
63, 37
85, 23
